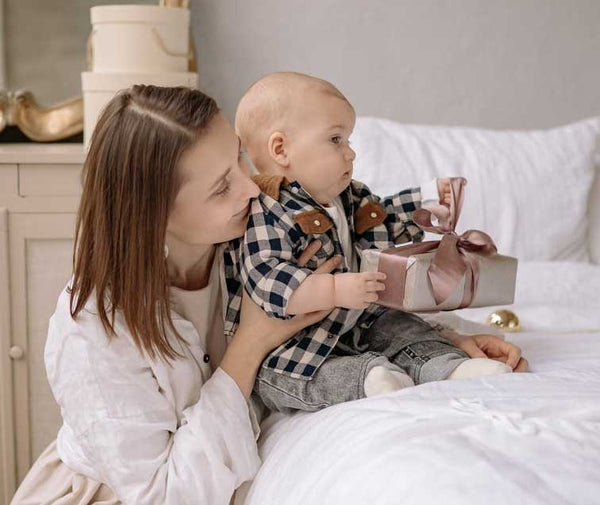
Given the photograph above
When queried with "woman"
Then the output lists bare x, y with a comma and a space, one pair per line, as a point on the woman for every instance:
155, 401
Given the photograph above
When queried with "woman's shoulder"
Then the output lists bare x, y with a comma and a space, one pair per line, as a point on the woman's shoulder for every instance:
92, 374
86, 322
82, 341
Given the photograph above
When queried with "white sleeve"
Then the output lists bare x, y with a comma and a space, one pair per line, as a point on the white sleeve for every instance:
429, 192
127, 430
148, 460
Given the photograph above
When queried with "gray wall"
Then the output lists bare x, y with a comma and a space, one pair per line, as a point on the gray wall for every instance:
495, 63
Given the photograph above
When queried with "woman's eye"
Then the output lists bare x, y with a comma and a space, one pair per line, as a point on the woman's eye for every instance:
336, 139
224, 191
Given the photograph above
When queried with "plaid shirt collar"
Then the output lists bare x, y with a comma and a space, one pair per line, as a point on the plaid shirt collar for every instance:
305, 197
302, 196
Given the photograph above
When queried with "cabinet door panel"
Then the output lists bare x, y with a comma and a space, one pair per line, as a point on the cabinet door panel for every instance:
41, 255
7, 443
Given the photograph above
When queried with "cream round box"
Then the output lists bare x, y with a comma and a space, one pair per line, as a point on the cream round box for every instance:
139, 38
99, 88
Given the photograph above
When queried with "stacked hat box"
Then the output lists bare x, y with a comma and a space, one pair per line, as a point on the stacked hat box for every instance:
134, 44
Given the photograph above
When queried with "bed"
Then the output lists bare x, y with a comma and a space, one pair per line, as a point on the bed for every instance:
522, 438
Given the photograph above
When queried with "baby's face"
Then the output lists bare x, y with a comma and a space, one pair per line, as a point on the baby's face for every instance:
319, 152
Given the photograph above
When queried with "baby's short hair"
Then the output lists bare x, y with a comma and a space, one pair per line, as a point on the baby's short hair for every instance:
265, 107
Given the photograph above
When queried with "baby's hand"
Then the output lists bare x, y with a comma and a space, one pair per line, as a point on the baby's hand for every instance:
357, 290
444, 191
441, 210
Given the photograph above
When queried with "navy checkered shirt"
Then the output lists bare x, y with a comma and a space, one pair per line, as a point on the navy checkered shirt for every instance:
264, 262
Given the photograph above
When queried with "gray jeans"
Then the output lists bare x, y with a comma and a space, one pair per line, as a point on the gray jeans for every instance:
397, 340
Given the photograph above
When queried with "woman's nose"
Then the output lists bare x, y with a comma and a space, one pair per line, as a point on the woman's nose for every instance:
252, 189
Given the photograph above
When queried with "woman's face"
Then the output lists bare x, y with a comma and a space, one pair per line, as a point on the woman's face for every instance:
215, 190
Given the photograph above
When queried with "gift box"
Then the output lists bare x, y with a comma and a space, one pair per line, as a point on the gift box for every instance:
455, 272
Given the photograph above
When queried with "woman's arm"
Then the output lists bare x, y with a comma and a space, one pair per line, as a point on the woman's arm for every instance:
121, 425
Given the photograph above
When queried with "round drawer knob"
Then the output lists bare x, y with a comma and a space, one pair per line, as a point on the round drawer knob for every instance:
16, 352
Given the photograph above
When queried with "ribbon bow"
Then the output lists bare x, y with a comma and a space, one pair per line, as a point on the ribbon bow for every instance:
455, 254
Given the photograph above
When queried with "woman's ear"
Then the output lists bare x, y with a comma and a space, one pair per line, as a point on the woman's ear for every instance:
277, 149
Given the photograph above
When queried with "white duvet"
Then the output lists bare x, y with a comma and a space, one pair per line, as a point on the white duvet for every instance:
511, 439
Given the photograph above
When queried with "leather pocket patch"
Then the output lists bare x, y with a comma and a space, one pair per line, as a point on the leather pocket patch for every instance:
368, 216
313, 222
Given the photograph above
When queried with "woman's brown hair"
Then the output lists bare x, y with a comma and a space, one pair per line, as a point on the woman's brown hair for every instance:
129, 185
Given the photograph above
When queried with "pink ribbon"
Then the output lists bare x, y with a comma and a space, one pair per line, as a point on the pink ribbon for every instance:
455, 256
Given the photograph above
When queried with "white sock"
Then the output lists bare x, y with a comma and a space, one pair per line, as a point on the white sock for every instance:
382, 380
478, 367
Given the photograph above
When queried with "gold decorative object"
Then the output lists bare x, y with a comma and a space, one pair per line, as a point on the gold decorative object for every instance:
175, 3
504, 320
3, 109
58, 122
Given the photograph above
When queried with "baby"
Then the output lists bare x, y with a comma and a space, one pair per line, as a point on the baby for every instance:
295, 129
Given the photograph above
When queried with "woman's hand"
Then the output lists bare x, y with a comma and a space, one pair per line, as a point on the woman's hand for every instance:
491, 346
257, 333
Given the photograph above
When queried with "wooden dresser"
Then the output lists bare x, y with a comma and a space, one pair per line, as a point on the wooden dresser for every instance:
40, 187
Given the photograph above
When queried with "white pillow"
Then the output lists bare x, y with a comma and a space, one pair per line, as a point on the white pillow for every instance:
528, 189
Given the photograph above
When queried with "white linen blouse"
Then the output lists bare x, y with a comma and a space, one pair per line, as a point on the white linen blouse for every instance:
153, 432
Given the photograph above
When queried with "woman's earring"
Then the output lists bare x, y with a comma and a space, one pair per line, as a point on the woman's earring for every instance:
166, 251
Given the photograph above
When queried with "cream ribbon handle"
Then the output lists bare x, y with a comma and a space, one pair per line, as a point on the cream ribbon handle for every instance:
90, 51
164, 48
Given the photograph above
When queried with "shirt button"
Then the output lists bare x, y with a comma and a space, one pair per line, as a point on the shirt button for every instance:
317, 222
373, 215
330, 336
206, 358
294, 189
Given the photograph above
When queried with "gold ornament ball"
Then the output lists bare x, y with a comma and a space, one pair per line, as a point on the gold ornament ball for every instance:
504, 320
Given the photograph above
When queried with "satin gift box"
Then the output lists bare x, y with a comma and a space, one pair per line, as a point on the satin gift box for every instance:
455, 272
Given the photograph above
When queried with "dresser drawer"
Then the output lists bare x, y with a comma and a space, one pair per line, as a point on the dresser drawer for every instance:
49, 179
8, 180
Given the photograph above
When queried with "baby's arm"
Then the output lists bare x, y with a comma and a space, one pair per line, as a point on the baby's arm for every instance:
279, 286
398, 217
325, 291
400, 208
268, 270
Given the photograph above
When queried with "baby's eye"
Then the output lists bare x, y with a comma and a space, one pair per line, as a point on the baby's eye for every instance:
336, 139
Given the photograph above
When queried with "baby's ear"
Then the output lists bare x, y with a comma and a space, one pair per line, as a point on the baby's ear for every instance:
277, 149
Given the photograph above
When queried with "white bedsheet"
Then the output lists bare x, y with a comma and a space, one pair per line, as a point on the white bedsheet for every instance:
511, 439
